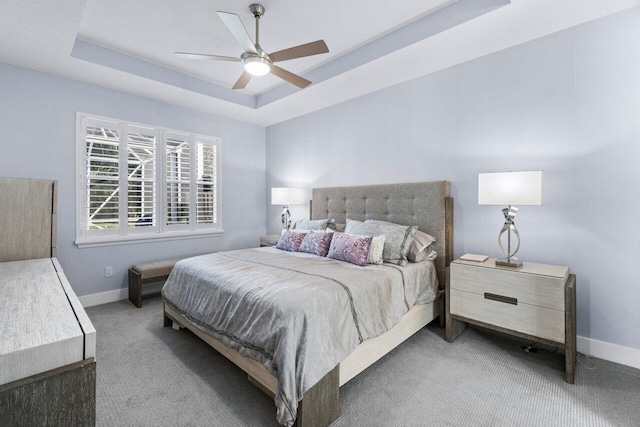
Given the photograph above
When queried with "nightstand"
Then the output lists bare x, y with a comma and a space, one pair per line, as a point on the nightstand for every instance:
536, 302
270, 240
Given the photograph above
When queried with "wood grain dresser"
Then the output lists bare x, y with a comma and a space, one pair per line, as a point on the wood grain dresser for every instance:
536, 302
47, 342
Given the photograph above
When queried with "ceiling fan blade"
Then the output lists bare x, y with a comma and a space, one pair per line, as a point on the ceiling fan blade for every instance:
242, 81
187, 55
290, 77
313, 48
234, 24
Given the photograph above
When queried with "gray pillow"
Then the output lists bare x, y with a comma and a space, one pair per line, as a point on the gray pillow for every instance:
397, 238
311, 224
420, 247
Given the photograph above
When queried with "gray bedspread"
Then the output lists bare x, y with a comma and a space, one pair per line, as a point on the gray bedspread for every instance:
298, 314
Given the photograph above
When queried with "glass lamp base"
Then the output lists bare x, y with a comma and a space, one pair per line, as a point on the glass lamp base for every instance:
509, 262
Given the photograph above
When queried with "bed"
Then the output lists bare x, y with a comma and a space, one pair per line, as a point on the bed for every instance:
300, 325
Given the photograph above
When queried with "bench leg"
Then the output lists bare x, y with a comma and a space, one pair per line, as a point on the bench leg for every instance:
135, 288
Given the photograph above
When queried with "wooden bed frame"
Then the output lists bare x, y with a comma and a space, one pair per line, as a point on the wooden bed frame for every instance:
427, 205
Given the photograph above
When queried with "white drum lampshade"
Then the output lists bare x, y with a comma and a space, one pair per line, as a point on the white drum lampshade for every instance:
510, 188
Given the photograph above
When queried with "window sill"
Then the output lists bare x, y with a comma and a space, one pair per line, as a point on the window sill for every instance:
97, 241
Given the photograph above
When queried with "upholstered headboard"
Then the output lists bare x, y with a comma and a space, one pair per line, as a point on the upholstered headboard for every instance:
425, 204
28, 218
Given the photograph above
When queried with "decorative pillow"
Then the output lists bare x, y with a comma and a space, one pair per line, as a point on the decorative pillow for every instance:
419, 249
376, 249
317, 243
290, 241
353, 249
309, 224
397, 238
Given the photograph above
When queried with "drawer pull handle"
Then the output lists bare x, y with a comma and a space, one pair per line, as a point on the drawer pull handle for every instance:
501, 298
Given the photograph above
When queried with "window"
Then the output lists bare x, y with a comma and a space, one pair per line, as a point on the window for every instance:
140, 183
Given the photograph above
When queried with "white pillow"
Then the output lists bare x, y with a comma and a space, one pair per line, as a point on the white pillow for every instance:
375, 250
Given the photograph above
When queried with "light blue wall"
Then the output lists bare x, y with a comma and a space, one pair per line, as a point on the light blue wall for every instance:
37, 140
568, 103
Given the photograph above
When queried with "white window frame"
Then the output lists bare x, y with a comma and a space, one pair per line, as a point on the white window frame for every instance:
160, 231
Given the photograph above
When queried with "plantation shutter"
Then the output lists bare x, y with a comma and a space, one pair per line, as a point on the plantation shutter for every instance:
102, 144
136, 182
141, 178
207, 183
178, 180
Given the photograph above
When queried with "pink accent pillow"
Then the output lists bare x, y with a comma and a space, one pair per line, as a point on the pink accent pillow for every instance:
316, 243
349, 248
290, 241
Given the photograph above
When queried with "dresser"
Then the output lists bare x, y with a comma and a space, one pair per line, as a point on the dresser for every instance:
536, 302
47, 341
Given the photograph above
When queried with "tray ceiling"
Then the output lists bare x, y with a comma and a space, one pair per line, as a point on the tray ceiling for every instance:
128, 45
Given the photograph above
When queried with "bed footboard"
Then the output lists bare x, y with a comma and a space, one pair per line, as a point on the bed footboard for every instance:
320, 405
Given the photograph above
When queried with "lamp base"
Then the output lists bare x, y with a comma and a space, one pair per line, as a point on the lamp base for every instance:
509, 262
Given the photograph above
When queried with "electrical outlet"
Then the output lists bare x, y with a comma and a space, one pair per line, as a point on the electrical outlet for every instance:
108, 271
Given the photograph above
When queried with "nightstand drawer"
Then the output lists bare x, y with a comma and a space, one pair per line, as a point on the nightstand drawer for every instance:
532, 289
521, 317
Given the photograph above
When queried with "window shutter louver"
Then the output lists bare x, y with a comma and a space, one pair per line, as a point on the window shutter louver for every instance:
206, 182
178, 179
141, 178
102, 177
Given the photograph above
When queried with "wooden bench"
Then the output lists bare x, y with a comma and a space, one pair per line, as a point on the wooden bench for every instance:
148, 272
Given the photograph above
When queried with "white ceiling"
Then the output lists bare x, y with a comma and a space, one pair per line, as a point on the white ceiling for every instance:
40, 35
161, 27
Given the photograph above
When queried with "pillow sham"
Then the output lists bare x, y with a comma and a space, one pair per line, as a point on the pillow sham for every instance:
353, 249
311, 224
290, 241
317, 243
420, 248
294, 230
397, 238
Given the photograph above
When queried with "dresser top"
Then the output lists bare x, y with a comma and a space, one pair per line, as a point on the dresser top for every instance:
42, 324
558, 271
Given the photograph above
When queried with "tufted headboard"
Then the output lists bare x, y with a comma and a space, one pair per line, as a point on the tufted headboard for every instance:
425, 204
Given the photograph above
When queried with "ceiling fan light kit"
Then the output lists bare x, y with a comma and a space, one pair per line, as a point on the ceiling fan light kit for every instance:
255, 60
256, 65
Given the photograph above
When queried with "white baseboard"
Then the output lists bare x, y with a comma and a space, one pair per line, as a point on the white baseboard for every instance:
608, 351
116, 295
104, 297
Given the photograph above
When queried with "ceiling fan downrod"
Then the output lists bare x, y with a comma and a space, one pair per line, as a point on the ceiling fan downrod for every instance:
257, 10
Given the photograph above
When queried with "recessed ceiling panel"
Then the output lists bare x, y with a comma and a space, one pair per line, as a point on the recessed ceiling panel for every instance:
152, 30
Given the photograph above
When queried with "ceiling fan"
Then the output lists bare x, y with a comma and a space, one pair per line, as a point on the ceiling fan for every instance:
256, 61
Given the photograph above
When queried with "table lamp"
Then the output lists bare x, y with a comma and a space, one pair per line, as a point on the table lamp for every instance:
286, 196
510, 188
